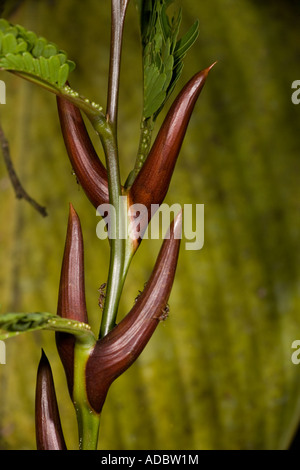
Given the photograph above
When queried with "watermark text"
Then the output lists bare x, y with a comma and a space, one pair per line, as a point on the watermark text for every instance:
133, 222
296, 94
2, 353
2, 92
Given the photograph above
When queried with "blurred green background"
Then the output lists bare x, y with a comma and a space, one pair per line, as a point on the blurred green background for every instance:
218, 373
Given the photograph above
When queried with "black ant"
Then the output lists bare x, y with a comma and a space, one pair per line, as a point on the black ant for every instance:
101, 291
164, 313
139, 293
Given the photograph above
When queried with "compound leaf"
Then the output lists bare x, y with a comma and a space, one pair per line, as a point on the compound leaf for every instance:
28, 49
163, 52
12, 324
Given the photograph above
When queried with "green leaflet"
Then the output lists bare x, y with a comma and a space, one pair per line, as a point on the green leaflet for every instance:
45, 71
28, 62
54, 67
49, 51
12, 324
23, 52
163, 52
39, 46
13, 60
186, 42
63, 73
154, 92
9, 43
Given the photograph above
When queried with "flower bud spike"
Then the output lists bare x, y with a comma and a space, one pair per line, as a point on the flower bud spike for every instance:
71, 298
115, 352
49, 435
88, 168
152, 182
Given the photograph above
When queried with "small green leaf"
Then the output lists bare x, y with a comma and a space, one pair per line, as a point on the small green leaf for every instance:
49, 50
15, 60
4, 63
21, 46
45, 72
38, 49
37, 67
63, 74
156, 87
4, 24
186, 42
71, 65
9, 44
155, 104
62, 58
31, 38
28, 62
54, 67
151, 74
12, 30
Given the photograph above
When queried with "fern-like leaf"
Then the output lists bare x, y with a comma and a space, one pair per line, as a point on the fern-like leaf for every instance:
163, 52
23, 52
163, 55
12, 324
40, 61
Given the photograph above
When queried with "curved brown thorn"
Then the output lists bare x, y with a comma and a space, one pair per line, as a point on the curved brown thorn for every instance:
152, 182
86, 164
116, 351
71, 297
49, 435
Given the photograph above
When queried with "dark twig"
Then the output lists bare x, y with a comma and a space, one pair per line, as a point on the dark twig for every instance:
18, 188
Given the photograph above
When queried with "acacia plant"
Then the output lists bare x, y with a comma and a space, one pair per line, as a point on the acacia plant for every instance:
92, 362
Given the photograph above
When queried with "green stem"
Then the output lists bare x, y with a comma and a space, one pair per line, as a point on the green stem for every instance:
117, 241
147, 126
88, 421
107, 131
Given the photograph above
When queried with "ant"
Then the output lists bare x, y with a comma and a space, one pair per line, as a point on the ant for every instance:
164, 313
139, 293
101, 299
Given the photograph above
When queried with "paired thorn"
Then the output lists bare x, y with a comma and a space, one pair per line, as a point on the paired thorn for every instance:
116, 351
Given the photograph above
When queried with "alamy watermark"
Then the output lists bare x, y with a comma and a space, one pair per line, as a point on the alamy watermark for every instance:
295, 357
296, 94
2, 92
2, 353
192, 226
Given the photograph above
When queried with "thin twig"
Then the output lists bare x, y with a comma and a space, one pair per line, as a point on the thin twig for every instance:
118, 10
18, 188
